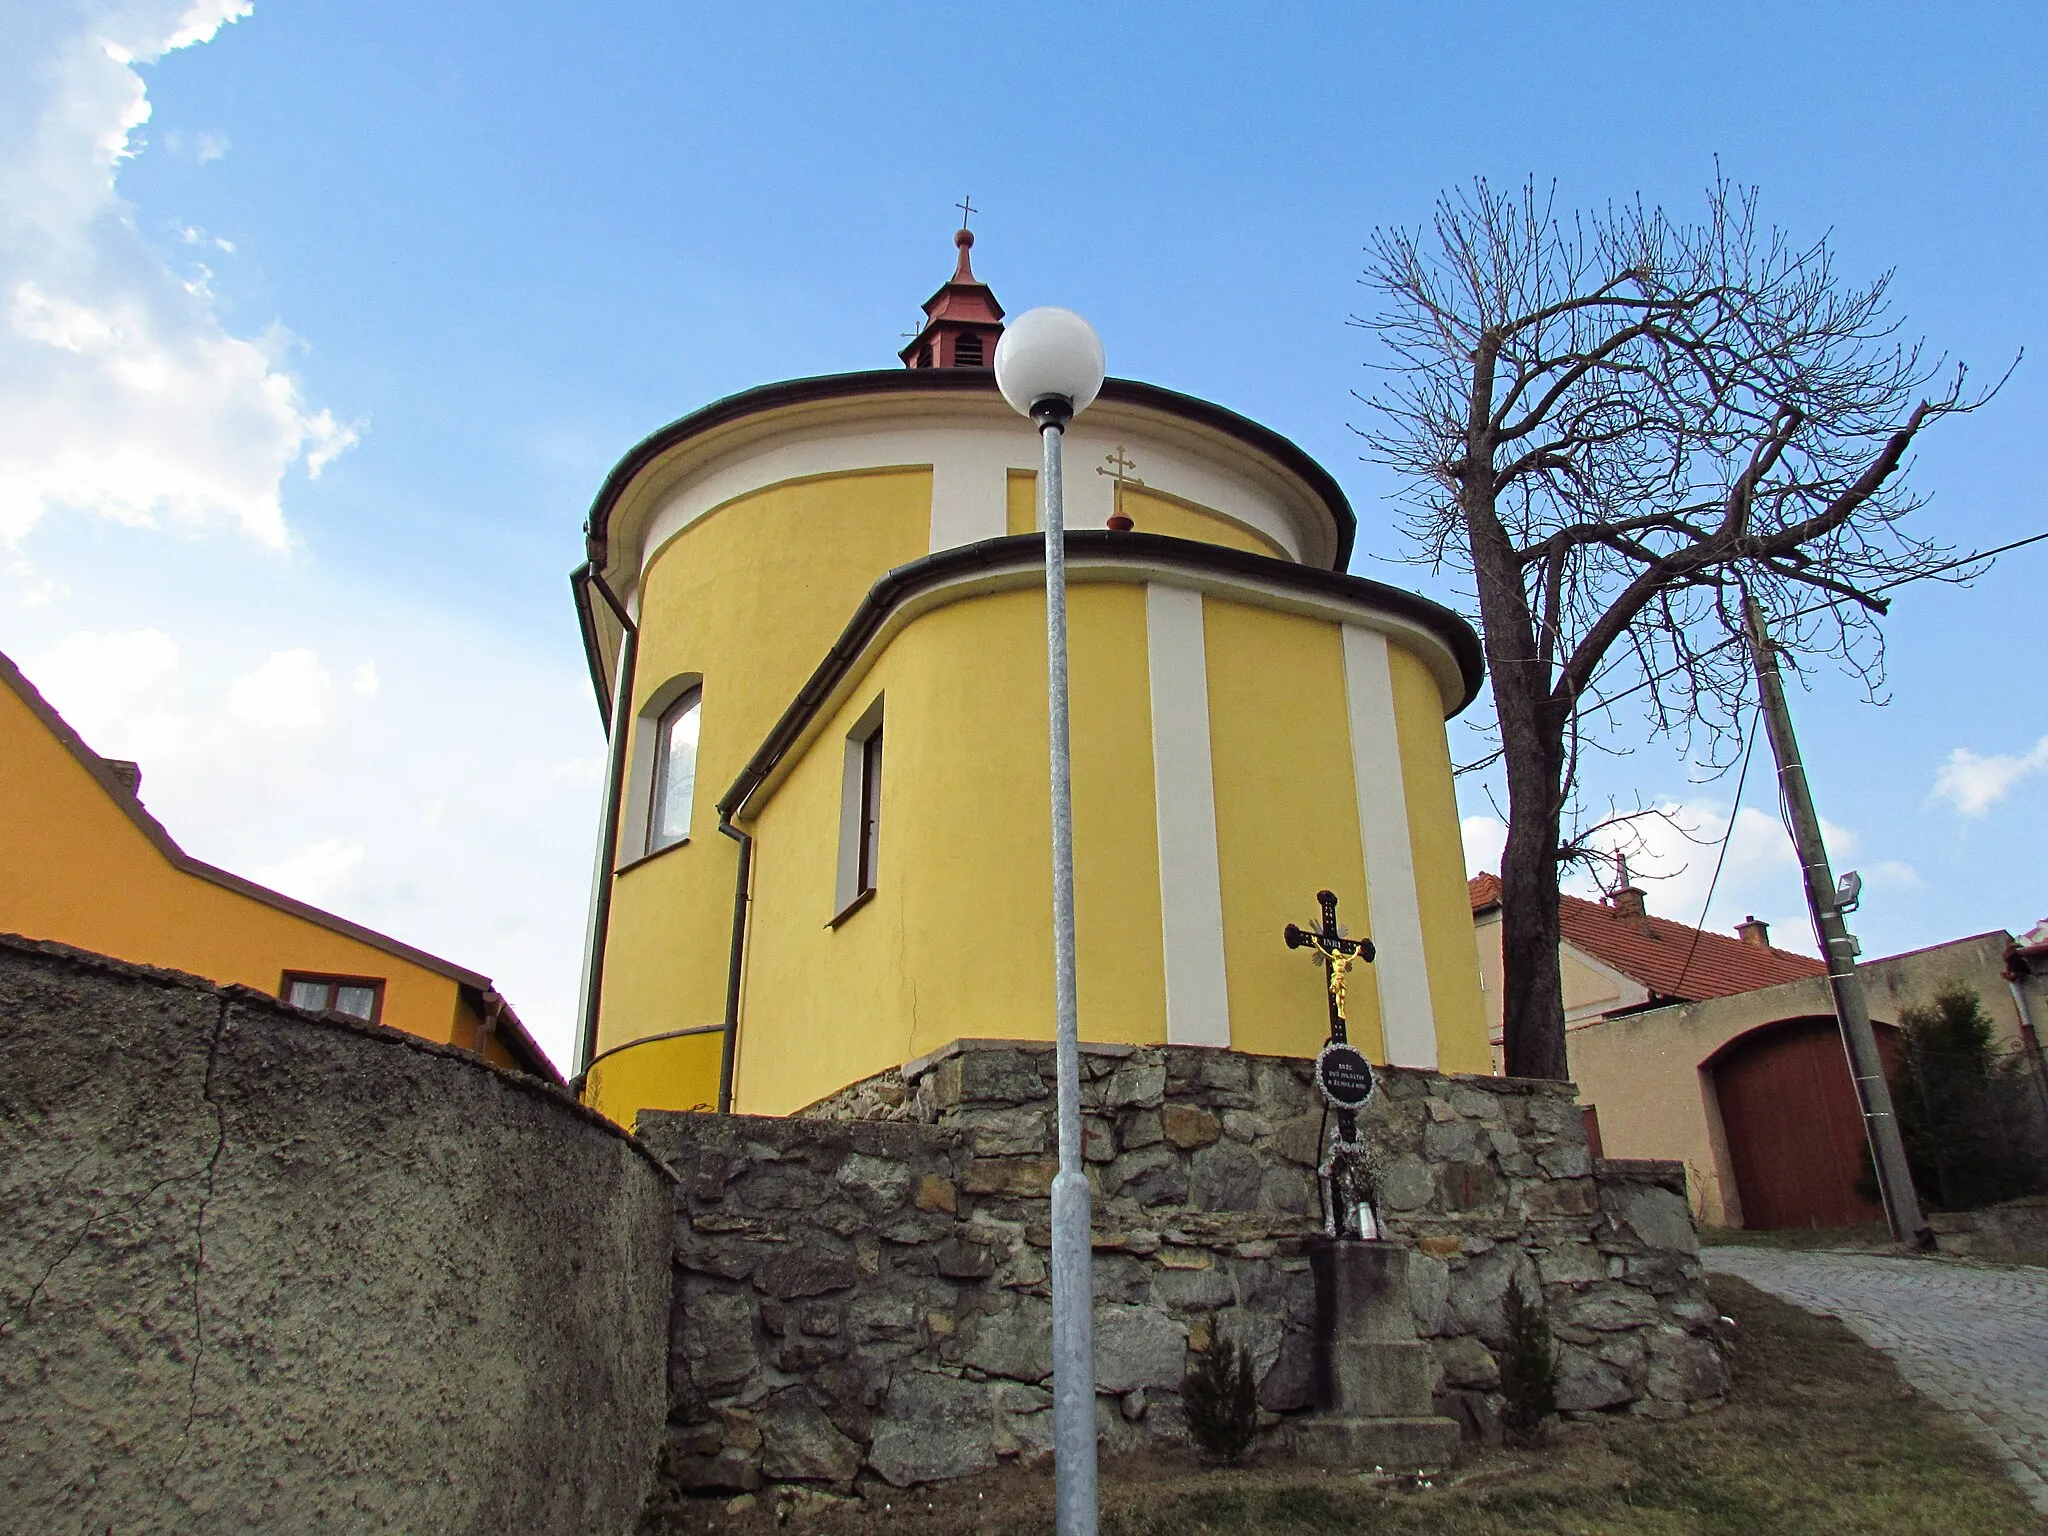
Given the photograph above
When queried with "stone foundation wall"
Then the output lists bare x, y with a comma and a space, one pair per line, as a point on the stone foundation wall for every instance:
863, 1288
2017, 1229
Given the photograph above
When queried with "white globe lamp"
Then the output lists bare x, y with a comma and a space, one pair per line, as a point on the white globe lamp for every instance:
1049, 354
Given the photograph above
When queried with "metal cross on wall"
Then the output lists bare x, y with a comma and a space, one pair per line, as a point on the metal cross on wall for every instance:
1120, 466
1348, 1176
1339, 955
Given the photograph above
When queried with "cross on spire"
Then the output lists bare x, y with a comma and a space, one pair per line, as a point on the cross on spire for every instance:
962, 321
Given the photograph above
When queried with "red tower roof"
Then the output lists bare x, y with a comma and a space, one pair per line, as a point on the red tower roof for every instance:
962, 321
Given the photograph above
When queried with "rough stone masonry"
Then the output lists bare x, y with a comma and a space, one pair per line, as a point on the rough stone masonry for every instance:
862, 1290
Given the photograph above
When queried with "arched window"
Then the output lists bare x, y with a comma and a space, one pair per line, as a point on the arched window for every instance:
675, 771
967, 352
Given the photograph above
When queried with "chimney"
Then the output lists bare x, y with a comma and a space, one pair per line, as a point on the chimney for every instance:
1752, 931
1628, 903
128, 775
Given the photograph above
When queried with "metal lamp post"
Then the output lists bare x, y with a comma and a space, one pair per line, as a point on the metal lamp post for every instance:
1049, 367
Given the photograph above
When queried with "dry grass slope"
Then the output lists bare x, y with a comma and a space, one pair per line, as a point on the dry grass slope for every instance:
1819, 1436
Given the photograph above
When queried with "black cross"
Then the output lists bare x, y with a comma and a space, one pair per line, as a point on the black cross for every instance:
1329, 942
1339, 954
967, 208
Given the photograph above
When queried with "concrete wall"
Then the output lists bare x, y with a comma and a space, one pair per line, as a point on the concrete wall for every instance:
264, 1270
1647, 1075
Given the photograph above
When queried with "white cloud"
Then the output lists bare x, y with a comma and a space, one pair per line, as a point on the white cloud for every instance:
1974, 784
364, 682
291, 691
119, 690
320, 873
202, 18
122, 394
1485, 837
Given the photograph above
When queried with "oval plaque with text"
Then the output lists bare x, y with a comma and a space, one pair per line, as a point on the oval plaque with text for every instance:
1344, 1076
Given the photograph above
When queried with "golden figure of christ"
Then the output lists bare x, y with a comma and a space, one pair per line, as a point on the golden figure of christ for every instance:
1337, 953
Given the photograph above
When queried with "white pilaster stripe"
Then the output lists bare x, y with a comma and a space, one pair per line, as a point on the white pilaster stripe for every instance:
1400, 967
1184, 786
970, 494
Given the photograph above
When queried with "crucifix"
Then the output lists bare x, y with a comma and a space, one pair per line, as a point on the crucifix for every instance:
1345, 1080
967, 209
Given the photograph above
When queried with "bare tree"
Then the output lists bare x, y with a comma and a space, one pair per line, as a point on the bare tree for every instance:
1611, 423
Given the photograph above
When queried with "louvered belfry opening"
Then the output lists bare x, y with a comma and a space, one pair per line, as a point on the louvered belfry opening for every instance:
962, 321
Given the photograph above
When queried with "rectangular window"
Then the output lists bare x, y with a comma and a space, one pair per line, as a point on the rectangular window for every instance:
360, 997
675, 771
870, 811
860, 816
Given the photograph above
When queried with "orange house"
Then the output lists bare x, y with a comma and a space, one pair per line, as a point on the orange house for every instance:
82, 862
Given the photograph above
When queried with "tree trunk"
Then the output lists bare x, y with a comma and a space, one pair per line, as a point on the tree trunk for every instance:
1532, 992
1532, 740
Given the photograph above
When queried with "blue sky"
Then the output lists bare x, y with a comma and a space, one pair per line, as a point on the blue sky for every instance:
458, 259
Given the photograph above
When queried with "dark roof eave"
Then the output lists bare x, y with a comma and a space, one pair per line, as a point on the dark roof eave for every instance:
1017, 550
886, 381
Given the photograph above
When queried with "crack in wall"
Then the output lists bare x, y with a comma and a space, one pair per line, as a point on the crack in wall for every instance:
25, 1312
220, 1143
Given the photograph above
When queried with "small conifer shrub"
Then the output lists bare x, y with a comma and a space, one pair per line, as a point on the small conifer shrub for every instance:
1221, 1399
1528, 1365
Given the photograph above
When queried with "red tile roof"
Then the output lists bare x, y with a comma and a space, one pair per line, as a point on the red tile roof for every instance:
1655, 950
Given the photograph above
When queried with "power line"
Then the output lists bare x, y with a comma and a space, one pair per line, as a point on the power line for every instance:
1800, 613
1722, 857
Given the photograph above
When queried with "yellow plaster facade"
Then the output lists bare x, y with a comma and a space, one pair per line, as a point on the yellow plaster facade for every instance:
87, 866
821, 566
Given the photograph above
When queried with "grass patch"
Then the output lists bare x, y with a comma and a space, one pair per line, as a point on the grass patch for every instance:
1819, 1435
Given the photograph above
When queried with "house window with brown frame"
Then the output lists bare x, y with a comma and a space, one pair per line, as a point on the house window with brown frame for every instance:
360, 997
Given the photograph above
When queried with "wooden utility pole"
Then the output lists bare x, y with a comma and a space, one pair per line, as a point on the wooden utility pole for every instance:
1852, 1008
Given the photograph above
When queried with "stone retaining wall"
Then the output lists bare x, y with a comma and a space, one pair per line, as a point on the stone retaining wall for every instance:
2017, 1229
863, 1288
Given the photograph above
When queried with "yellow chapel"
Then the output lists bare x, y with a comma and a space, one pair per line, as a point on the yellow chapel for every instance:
815, 619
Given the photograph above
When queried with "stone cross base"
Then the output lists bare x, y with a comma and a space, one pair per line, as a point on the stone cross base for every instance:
1373, 1375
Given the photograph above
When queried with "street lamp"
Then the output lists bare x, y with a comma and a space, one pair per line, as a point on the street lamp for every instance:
1049, 367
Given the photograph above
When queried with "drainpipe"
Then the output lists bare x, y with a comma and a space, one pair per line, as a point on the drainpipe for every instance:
614, 795
2017, 970
735, 960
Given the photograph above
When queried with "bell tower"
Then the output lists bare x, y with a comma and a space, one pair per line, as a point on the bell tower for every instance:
962, 321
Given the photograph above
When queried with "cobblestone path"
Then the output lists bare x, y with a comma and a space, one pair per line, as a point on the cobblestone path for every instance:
1973, 1338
